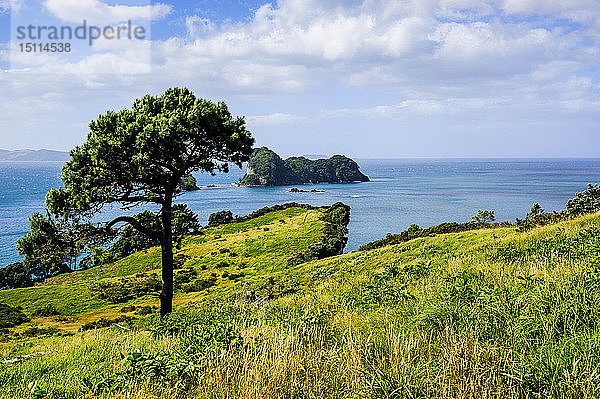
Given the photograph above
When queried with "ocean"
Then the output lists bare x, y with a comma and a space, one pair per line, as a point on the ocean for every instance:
401, 192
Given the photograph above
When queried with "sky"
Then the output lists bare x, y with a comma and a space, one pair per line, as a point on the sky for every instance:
365, 78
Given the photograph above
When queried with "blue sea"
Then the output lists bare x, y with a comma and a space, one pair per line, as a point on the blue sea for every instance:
401, 192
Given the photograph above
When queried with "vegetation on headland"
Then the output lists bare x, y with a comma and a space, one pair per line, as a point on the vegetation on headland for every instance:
491, 312
266, 168
142, 155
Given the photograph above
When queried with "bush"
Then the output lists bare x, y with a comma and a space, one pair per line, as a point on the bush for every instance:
11, 316
585, 202
219, 218
443, 228
126, 289
484, 216
199, 285
45, 311
15, 275
183, 277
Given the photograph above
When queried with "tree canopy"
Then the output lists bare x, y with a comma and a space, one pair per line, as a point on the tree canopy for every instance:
140, 155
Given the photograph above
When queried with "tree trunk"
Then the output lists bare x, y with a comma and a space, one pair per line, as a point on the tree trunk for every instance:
166, 246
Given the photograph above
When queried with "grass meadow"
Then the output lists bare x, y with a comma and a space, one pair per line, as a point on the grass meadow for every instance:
480, 314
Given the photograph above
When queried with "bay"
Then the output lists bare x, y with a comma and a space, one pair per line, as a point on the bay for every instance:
401, 192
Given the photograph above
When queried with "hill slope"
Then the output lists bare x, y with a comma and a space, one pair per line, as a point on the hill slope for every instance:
34, 156
486, 313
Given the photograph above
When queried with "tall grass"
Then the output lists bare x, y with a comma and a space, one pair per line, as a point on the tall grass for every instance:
491, 314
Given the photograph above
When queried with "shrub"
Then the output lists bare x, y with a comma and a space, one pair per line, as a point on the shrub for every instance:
199, 285
183, 277
15, 275
11, 316
145, 310
126, 289
219, 218
45, 311
484, 216
443, 228
585, 202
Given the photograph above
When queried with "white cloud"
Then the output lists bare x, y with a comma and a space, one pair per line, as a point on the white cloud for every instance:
411, 60
99, 13
8, 5
548, 7
277, 118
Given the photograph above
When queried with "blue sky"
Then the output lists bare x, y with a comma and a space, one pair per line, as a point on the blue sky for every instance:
368, 78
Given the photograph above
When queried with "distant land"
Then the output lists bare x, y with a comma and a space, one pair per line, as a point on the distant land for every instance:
33, 156
266, 168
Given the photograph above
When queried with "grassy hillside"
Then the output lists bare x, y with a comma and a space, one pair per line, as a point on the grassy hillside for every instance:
238, 256
485, 313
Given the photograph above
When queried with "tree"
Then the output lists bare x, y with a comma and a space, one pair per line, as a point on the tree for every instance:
535, 210
585, 202
129, 240
219, 218
51, 246
484, 216
15, 275
140, 155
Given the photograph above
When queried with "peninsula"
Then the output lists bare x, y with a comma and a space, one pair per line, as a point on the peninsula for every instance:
266, 168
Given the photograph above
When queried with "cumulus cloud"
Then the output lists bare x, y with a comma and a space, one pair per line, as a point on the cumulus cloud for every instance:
98, 12
8, 5
423, 59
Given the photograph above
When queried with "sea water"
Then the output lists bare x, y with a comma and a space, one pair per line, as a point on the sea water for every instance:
401, 192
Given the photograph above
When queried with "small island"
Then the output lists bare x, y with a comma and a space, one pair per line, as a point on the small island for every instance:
266, 168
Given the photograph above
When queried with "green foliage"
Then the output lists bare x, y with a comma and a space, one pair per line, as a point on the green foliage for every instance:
470, 314
45, 311
200, 284
188, 183
15, 275
11, 316
413, 228
140, 155
583, 246
266, 168
585, 202
129, 240
535, 211
536, 217
126, 289
50, 247
183, 276
484, 216
333, 238
219, 218
415, 232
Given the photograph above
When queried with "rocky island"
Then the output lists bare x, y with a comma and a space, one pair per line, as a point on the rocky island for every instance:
266, 168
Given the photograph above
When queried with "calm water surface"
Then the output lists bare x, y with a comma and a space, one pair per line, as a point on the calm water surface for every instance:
401, 192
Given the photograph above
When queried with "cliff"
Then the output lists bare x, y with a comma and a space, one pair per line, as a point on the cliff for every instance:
266, 168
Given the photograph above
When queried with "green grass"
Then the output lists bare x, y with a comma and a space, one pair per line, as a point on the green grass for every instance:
259, 254
487, 313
